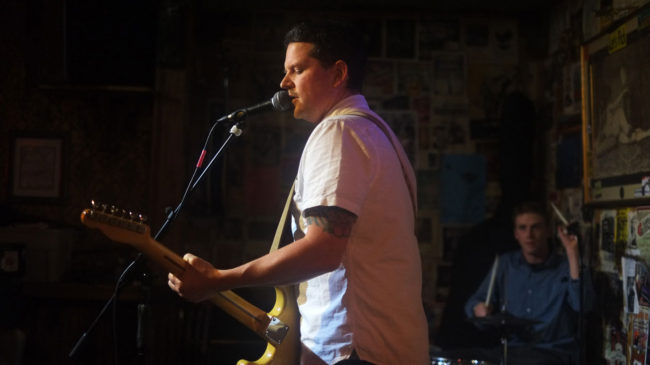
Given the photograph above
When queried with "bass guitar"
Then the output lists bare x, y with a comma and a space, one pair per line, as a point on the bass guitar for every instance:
279, 327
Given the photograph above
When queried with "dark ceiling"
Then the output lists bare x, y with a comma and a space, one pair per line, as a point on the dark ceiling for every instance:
465, 6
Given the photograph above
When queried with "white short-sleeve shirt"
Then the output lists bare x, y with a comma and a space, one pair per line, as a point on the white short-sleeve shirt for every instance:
372, 302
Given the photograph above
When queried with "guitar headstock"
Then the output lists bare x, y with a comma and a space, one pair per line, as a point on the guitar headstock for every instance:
117, 224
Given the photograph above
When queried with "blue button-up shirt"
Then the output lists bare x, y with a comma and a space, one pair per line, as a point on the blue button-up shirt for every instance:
545, 293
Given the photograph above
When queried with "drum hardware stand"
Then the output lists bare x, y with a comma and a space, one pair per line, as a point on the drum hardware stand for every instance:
504, 352
506, 325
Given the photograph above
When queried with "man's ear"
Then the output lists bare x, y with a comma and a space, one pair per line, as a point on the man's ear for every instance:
340, 73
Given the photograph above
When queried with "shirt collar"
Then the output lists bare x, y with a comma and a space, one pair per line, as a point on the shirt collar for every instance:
352, 101
552, 260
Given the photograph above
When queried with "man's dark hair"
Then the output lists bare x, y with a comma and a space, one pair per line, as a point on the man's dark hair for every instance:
333, 40
530, 207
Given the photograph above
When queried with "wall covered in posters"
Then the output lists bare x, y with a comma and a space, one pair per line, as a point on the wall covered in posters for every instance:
616, 133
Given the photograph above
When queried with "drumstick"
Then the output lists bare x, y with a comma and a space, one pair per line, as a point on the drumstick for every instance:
494, 274
559, 215
568, 228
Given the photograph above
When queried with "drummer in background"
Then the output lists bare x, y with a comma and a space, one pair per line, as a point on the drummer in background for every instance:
537, 283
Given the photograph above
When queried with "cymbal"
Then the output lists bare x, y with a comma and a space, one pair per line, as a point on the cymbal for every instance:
503, 320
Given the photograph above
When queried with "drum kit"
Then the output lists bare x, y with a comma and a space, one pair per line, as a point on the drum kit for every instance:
504, 323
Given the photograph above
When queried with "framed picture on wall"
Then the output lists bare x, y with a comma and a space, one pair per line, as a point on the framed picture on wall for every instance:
615, 68
37, 167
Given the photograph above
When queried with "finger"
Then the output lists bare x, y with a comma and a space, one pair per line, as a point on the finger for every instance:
175, 278
198, 264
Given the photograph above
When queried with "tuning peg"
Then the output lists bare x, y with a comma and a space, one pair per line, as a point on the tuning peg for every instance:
142, 218
103, 207
93, 205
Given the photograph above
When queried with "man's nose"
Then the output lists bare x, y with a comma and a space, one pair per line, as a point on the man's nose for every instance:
285, 82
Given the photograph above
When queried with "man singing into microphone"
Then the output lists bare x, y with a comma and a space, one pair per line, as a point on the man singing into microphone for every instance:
355, 252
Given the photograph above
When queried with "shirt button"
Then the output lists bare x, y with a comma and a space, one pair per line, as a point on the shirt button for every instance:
530, 291
528, 310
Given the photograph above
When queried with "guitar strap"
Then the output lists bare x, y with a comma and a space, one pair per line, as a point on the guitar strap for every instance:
407, 171
283, 221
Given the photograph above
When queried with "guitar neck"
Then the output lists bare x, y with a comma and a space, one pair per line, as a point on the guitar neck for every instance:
137, 234
243, 311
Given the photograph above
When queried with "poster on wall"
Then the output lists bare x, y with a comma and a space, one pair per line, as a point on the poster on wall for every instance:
449, 73
571, 97
36, 168
632, 246
615, 341
400, 38
638, 337
615, 74
414, 78
403, 124
380, 79
642, 231
462, 190
630, 292
606, 239
504, 42
435, 34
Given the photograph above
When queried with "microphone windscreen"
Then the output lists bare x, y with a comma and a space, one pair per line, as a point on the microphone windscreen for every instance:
281, 101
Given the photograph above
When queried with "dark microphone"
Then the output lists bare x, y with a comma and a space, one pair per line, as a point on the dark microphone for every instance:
281, 101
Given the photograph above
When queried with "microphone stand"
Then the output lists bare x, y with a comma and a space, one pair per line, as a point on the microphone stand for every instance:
237, 119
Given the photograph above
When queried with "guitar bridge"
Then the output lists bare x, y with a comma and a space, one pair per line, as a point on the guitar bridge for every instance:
276, 331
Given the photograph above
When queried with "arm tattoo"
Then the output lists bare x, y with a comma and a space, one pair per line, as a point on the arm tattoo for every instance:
334, 220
